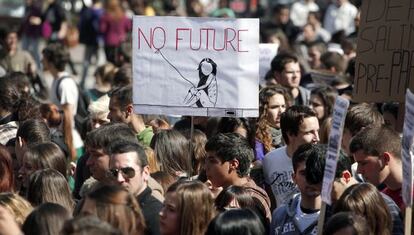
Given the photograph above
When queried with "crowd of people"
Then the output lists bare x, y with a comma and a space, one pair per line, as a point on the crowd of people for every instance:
75, 160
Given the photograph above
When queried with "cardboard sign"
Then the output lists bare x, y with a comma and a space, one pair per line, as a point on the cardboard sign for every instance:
196, 66
267, 52
408, 150
334, 146
385, 52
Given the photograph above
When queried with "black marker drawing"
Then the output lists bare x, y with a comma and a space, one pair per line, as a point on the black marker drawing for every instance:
205, 93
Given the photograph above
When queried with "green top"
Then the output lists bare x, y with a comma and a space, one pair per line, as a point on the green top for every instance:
145, 136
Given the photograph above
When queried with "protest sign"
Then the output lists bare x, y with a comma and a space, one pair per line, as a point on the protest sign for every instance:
407, 153
267, 52
196, 66
334, 146
407, 150
385, 51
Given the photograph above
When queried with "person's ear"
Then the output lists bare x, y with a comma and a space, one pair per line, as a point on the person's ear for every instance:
294, 177
129, 110
146, 173
234, 165
346, 175
386, 157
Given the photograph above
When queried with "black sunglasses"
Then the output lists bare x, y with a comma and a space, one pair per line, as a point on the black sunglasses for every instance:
127, 172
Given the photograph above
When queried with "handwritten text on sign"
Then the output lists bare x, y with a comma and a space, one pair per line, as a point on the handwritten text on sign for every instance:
334, 146
195, 66
194, 39
385, 54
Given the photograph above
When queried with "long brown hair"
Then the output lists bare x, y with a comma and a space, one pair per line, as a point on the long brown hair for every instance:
195, 206
118, 207
365, 200
49, 185
6, 171
263, 129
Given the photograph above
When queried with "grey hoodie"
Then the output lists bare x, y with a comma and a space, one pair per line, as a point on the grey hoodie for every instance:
283, 220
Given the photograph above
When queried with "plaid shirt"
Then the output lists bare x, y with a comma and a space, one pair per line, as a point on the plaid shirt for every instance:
7, 132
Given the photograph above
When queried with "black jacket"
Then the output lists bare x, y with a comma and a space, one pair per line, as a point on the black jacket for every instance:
151, 208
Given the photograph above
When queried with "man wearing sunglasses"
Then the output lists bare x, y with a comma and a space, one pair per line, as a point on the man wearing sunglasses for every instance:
128, 167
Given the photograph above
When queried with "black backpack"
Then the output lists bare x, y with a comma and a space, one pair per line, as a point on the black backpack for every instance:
82, 112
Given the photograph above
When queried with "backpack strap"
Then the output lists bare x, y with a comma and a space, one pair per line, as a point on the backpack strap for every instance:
59, 81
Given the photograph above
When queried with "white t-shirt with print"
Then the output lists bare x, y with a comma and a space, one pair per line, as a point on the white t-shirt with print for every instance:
277, 170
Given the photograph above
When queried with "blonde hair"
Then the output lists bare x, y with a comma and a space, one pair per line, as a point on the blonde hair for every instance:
100, 108
19, 207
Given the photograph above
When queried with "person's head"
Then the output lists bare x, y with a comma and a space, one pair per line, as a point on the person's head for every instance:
22, 82
158, 124
121, 105
46, 219
104, 76
334, 62
233, 197
365, 200
322, 101
377, 150
228, 157
281, 13
273, 101
300, 157
198, 143
358, 117
51, 114
55, 57
286, 70
181, 200
109, 200
6, 171
49, 185
33, 131
42, 156
19, 207
309, 33
242, 126
347, 223
12, 40
98, 112
315, 167
30, 132
171, 151
128, 166
97, 142
123, 76
88, 224
315, 52
236, 221
299, 125
390, 114
9, 97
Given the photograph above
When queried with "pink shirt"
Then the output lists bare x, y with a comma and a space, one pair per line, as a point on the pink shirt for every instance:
114, 32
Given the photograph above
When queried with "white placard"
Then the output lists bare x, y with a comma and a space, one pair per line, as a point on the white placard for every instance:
267, 52
196, 66
334, 146
407, 149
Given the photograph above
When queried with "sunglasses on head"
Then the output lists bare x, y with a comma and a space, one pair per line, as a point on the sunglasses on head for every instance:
127, 172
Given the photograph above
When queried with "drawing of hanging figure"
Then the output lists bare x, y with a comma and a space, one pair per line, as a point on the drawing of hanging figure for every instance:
205, 93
